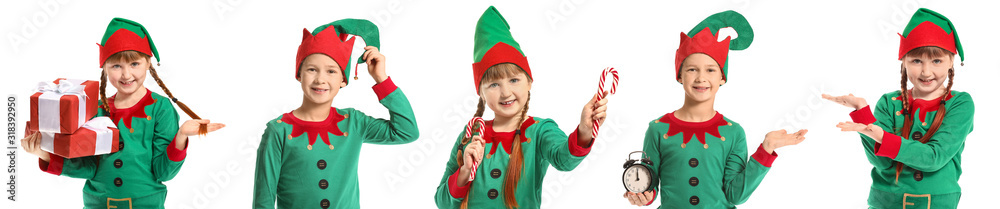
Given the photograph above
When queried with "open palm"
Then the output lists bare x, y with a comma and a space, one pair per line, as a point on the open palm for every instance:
192, 127
781, 138
847, 100
871, 130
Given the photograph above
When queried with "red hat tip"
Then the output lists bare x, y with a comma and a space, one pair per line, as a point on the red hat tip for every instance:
305, 33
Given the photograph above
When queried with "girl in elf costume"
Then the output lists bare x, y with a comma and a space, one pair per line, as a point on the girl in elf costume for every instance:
295, 171
514, 150
916, 136
152, 147
706, 166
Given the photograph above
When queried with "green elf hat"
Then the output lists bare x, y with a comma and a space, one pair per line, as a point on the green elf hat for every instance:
929, 28
704, 37
495, 45
124, 35
336, 40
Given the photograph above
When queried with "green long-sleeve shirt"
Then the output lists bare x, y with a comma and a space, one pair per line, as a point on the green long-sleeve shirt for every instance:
302, 164
147, 157
543, 144
703, 164
932, 168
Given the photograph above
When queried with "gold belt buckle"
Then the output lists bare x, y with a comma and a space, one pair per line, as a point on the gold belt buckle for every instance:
905, 203
110, 200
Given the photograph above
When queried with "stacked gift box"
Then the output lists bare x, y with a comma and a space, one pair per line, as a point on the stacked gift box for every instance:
63, 112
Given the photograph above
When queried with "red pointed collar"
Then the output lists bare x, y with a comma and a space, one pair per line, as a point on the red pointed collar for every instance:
506, 139
924, 106
690, 129
136, 111
313, 129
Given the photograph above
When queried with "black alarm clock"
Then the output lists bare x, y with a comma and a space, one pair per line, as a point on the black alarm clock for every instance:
638, 176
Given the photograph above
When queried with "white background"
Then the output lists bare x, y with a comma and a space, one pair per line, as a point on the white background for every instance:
231, 61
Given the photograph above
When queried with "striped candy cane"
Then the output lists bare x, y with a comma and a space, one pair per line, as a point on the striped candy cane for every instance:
468, 134
600, 91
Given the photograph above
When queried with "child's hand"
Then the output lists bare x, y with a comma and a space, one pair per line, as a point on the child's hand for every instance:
33, 144
848, 100
781, 138
639, 199
191, 127
593, 110
376, 63
473, 153
870, 130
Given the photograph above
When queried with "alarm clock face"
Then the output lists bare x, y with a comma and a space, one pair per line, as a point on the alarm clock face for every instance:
637, 178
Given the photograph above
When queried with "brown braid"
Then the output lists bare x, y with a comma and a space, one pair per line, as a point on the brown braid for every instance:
951, 80
902, 92
938, 117
203, 129
907, 119
104, 99
480, 108
516, 163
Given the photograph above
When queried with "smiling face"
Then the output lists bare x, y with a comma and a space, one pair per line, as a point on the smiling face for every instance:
505, 90
321, 78
701, 77
127, 70
927, 68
